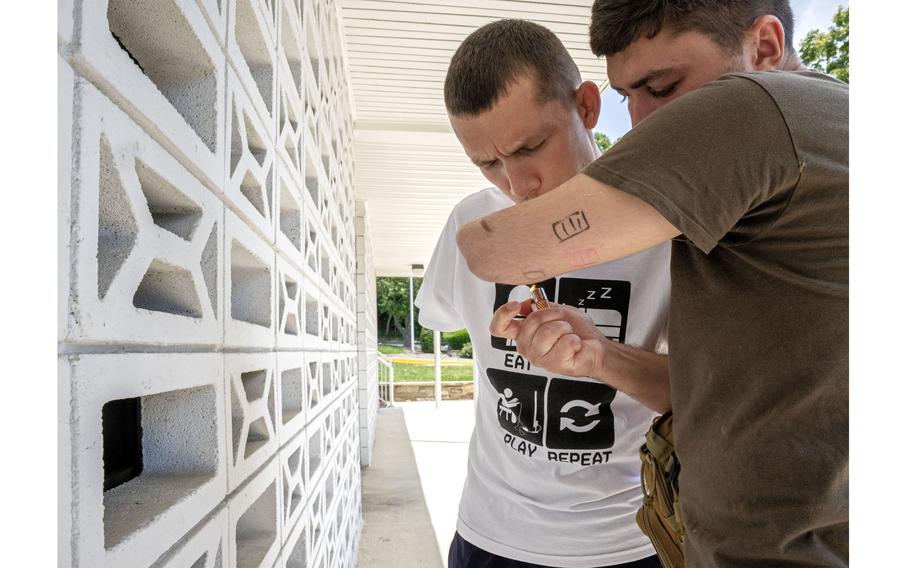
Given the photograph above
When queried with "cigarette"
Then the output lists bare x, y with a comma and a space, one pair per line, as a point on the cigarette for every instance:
539, 297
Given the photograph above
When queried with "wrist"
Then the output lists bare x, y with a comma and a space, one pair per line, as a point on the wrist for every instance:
609, 363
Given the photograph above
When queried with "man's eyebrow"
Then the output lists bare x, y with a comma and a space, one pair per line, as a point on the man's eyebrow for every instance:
656, 74
528, 142
481, 163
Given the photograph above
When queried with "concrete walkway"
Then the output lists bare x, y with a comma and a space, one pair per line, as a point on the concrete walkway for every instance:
412, 489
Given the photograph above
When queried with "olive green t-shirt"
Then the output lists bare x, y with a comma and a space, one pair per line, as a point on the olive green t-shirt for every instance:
753, 171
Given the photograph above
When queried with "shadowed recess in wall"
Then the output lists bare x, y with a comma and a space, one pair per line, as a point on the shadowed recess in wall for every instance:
158, 38
255, 49
170, 208
116, 225
290, 215
291, 394
251, 293
315, 446
290, 42
293, 494
257, 530
179, 454
202, 562
209, 264
169, 289
298, 558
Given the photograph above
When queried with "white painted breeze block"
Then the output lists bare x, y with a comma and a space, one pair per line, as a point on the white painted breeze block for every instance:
168, 72
249, 273
252, 409
293, 479
292, 387
183, 453
147, 234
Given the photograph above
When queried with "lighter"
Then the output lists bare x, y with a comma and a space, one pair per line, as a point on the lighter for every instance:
539, 297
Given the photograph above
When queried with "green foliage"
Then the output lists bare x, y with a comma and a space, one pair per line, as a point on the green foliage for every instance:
829, 52
392, 306
456, 339
392, 295
426, 340
390, 349
467, 351
603, 141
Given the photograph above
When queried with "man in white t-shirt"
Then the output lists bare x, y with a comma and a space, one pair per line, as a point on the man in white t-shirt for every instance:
553, 466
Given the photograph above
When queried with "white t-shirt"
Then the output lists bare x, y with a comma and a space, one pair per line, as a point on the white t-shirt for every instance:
553, 469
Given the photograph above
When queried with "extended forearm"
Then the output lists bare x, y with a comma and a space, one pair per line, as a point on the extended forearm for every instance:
579, 224
643, 375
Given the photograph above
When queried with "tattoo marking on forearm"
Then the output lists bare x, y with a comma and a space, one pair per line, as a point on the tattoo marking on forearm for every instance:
534, 275
570, 226
583, 257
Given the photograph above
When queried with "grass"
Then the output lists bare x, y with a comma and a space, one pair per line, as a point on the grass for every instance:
408, 373
390, 349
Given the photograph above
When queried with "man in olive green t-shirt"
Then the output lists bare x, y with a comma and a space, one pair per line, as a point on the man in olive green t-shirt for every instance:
747, 173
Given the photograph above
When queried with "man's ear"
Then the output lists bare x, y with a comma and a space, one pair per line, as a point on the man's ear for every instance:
766, 44
587, 102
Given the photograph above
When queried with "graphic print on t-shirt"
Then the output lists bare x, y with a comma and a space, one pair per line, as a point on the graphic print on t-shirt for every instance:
560, 414
520, 407
606, 301
579, 415
567, 415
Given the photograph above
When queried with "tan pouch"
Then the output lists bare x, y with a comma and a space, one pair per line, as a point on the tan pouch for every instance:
660, 517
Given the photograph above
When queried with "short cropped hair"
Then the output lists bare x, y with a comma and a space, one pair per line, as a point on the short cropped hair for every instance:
615, 24
494, 56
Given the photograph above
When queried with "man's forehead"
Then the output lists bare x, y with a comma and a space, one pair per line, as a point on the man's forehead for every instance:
669, 50
502, 130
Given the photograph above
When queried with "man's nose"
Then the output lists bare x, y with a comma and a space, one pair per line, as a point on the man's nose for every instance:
522, 183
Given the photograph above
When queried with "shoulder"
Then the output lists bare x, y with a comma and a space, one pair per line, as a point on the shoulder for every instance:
773, 81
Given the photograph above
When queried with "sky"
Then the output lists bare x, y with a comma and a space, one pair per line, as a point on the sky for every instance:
807, 15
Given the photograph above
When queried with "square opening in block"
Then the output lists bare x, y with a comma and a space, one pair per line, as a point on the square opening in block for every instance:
178, 446
121, 431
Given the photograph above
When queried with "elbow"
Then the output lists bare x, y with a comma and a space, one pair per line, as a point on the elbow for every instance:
472, 251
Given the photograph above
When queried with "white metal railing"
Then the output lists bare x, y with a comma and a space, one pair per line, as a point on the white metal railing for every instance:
386, 380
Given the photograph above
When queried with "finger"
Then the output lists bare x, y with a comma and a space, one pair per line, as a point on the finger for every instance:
503, 323
534, 321
566, 356
526, 307
544, 338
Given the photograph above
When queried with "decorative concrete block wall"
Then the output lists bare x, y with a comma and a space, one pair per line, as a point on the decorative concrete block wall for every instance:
211, 332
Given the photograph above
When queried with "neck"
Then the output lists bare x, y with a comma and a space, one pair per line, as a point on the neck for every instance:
792, 62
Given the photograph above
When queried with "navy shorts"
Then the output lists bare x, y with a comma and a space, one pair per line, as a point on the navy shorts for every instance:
463, 554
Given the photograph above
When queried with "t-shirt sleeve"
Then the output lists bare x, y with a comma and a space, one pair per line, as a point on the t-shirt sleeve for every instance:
436, 298
706, 160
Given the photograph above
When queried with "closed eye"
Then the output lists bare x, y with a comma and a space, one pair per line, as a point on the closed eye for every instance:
531, 150
665, 92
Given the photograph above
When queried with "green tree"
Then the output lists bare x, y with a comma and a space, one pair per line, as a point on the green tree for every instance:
392, 305
829, 52
603, 141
